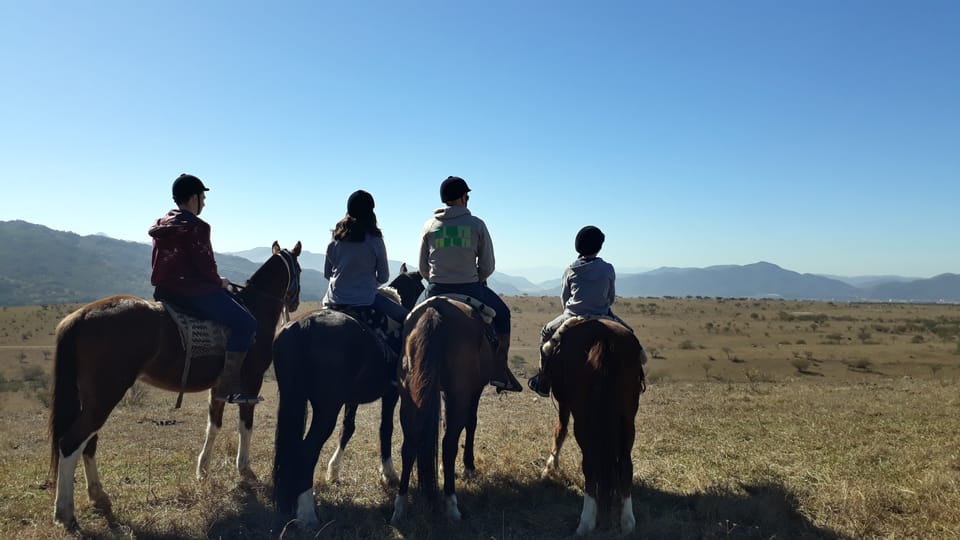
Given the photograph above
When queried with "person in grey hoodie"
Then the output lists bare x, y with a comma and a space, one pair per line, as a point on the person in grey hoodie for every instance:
587, 289
456, 256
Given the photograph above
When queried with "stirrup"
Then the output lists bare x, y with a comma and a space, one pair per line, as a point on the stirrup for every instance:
239, 399
505, 387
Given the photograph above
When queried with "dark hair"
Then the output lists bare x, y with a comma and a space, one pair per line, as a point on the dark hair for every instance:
351, 229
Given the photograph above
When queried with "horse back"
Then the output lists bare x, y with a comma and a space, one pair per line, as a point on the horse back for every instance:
597, 352
453, 335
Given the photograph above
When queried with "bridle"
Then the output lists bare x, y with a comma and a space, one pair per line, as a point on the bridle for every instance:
290, 299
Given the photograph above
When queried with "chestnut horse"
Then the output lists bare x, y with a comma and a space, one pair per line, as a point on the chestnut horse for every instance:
105, 346
597, 374
448, 354
328, 359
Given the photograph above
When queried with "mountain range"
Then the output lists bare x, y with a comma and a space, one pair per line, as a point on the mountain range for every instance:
39, 265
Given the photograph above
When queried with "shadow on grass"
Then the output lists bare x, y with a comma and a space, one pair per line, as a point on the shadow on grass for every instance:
499, 507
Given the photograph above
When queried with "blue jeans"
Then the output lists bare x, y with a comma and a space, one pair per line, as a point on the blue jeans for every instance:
220, 307
389, 308
481, 292
551, 327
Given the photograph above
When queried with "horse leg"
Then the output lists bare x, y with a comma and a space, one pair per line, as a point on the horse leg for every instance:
388, 405
408, 455
627, 520
245, 434
95, 492
456, 416
559, 436
349, 426
469, 465
71, 446
588, 516
214, 423
321, 426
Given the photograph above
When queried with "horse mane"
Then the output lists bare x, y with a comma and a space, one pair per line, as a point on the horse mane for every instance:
391, 293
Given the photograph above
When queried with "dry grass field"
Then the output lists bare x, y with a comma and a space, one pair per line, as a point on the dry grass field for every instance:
763, 419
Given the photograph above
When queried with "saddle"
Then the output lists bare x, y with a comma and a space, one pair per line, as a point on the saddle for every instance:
201, 338
552, 344
388, 332
485, 312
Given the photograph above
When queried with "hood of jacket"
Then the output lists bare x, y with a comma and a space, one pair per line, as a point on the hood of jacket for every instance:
174, 221
588, 268
450, 212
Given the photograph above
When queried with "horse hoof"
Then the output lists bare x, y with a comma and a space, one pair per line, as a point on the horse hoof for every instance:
247, 475
69, 524
470, 473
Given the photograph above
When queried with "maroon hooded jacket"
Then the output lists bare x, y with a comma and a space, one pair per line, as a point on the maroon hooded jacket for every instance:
183, 260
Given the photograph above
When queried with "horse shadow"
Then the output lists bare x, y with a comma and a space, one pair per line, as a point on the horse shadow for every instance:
510, 507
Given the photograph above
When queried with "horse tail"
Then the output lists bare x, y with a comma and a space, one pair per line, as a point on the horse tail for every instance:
65, 398
291, 417
605, 419
429, 346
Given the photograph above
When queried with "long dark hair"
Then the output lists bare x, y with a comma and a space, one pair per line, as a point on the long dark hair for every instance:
351, 229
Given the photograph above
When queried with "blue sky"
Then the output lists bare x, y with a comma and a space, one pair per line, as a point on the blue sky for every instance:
822, 136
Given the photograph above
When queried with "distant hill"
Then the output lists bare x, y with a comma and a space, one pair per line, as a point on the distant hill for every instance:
39, 265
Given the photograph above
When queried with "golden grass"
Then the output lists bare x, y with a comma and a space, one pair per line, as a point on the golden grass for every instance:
862, 443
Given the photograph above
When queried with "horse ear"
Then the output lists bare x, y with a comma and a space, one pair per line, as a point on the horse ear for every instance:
403, 268
296, 249
276, 247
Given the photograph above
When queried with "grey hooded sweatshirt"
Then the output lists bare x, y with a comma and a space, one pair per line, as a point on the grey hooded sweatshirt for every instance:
455, 247
588, 287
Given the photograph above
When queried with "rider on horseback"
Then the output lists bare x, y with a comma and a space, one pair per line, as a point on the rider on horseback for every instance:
587, 289
356, 263
185, 273
456, 256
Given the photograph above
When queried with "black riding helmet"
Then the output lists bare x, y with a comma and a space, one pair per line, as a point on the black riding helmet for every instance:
185, 186
589, 240
360, 205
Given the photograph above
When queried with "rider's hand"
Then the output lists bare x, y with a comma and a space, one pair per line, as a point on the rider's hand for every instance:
225, 283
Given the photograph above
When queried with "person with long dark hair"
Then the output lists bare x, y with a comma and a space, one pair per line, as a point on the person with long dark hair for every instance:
356, 263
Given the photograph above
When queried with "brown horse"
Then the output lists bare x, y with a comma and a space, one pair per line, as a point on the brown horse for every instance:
446, 350
105, 346
327, 359
597, 374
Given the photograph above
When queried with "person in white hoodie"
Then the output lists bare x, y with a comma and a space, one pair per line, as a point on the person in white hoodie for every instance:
587, 288
456, 256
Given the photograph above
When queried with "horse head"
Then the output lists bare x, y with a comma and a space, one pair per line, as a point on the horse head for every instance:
409, 285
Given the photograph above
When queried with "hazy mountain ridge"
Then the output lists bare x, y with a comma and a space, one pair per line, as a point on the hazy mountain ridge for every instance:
39, 265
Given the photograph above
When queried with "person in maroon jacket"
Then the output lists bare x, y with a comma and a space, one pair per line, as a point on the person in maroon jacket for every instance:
185, 273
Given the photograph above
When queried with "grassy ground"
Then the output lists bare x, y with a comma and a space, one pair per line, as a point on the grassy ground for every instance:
763, 419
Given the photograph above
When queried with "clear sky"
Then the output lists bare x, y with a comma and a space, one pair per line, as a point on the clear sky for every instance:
822, 136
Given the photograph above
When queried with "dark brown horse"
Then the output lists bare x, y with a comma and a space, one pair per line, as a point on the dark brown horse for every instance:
446, 350
597, 374
105, 346
328, 359
409, 285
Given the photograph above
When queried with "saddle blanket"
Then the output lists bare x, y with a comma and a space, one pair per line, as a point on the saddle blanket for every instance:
200, 338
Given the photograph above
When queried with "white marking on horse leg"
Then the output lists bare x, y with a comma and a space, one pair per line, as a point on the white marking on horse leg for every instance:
63, 502
243, 450
307, 508
553, 466
333, 468
95, 490
399, 510
588, 518
627, 521
203, 461
388, 475
453, 510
